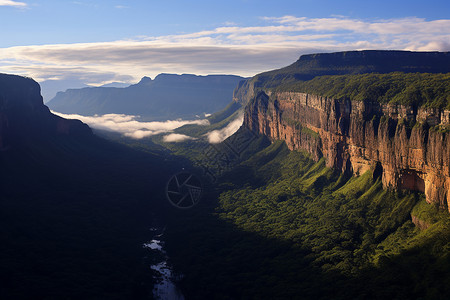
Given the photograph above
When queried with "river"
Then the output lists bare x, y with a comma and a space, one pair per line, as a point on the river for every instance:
165, 288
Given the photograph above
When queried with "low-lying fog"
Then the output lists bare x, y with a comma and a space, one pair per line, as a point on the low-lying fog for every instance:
130, 126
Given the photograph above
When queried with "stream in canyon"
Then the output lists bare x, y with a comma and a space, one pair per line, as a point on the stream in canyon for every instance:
165, 288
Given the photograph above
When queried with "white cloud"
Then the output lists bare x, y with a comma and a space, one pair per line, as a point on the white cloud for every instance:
433, 45
218, 136
176, 137
129, 125
12, 3
224, 50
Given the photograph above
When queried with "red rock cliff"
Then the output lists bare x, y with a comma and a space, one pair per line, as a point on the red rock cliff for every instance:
356, 136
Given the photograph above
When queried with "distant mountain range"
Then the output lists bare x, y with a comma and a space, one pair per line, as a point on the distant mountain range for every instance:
168, 96
49, 88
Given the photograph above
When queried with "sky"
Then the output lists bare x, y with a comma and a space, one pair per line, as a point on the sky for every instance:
98, 42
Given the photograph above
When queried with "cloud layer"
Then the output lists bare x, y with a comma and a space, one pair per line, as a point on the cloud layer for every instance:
129, 125
231, 49
218, 136
176, 137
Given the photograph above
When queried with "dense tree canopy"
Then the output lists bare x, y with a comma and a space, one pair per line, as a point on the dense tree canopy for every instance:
418, 89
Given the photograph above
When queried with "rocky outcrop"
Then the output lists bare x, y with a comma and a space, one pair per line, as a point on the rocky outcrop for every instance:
23, 114
422, 225
409, 147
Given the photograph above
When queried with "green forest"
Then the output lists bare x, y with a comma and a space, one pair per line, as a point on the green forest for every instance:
417, 89
282, 226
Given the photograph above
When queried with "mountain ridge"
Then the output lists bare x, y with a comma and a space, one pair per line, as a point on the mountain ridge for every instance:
310, 66
168, 96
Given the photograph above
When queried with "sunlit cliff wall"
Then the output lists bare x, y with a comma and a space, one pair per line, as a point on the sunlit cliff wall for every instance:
402, 144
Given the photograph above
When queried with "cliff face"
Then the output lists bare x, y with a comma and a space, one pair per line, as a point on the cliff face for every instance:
356, 136
24, 115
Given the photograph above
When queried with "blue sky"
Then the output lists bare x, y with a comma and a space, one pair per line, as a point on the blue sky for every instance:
59, 21
97, 42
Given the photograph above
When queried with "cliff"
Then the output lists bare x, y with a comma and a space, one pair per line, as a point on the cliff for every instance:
23, 114
351, 109
355, 136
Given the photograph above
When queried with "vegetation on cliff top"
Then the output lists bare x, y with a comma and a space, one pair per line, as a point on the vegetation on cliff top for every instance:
417, 89
311, 66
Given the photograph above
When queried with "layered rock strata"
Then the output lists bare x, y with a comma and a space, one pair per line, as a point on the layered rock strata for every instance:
409, 147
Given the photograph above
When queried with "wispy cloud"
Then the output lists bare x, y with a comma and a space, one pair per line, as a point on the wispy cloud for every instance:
229, 49
12, 3
218, 136
129, 125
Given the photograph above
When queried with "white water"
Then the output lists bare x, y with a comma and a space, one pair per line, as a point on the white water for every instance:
154, 245
165, 289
